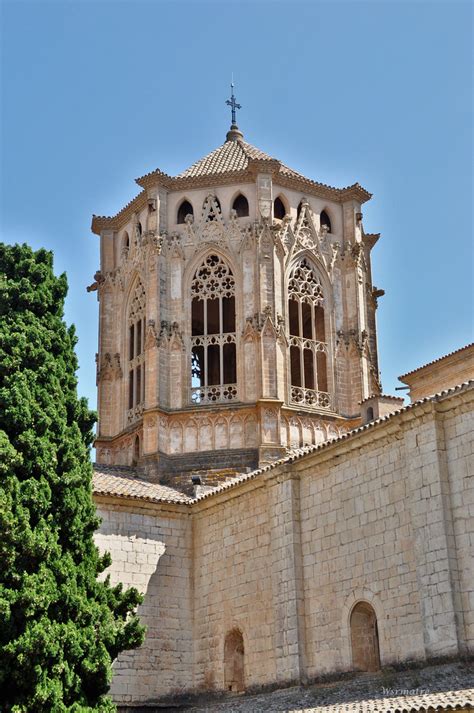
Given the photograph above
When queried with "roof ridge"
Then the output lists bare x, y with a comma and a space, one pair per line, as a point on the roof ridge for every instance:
435, 361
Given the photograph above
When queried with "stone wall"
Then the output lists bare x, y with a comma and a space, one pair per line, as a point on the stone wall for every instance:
151, 550
384, 516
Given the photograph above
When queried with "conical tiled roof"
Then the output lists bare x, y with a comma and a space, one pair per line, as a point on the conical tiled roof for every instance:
231, 156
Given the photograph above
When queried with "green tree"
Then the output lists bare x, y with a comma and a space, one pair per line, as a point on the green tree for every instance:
60, 627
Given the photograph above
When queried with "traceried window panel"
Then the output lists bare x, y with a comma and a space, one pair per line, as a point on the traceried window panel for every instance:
213, 336
136, 354
307, 337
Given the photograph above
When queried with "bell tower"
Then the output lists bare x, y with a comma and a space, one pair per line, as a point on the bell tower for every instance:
237, 315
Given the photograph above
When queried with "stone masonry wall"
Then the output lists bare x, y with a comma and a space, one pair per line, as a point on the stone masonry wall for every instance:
384, 516
151, 550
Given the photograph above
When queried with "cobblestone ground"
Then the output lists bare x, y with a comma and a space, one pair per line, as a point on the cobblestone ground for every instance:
439, 687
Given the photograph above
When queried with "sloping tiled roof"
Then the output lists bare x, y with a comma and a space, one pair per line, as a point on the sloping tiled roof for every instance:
435, 361
121, 482
297, 453
231, 156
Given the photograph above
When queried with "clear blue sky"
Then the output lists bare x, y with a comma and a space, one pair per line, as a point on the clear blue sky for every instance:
95, 94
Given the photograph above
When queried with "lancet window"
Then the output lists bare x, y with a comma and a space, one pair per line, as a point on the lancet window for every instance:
184, 209
241, 206
324, 220
278, 209
307, 337
136, 354
213, 336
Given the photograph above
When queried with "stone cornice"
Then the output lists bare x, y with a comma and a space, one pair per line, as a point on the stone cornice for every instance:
278, 172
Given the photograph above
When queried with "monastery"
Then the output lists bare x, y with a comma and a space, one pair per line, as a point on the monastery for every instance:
284, 518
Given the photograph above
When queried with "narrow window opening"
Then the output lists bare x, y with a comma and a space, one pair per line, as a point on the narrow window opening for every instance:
279, 210
370, 414
138, 384
197, 366
324, 220
228, 313
197, 317
294, 318
308, 369
140, 229
213, 365
319, 323
213, 326
136, 355
295, 363
307, 320
184, 209
130, 389
241, 206
139, 338
321, 367
299, 209
230, 364
132, 341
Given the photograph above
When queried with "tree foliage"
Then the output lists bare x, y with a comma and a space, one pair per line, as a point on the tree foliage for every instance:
60, 626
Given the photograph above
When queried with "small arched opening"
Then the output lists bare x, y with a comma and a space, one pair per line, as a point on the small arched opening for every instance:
370, 414
324, 220
184, 209
364, 638
125, 241
299, 209
279, 210
139, 228
234, 661
241, 206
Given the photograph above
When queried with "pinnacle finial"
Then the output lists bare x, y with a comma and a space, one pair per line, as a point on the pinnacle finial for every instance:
234, 134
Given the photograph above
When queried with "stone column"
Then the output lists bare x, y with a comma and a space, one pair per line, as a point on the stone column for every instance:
287, 577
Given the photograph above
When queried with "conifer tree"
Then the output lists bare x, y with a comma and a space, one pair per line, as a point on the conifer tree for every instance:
60, 626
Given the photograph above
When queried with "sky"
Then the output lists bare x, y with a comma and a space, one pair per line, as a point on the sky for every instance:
95, 93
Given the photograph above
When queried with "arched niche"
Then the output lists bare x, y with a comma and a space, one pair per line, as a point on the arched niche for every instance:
234, 679
364, 638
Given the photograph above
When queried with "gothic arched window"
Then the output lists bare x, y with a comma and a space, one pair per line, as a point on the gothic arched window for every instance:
324, 220
241, 206
213, 336
308, 346
279, 210
184, 209
136, 353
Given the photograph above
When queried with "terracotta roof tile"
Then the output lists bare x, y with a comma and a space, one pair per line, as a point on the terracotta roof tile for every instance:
120, 482
231, 156
435, 361
297, 453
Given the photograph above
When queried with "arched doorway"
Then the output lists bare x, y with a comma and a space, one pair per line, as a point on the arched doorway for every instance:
234, 661
364, 638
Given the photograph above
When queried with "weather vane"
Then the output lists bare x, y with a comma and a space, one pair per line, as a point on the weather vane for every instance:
232, 103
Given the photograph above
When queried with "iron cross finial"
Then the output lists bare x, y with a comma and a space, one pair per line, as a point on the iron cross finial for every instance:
232, 103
